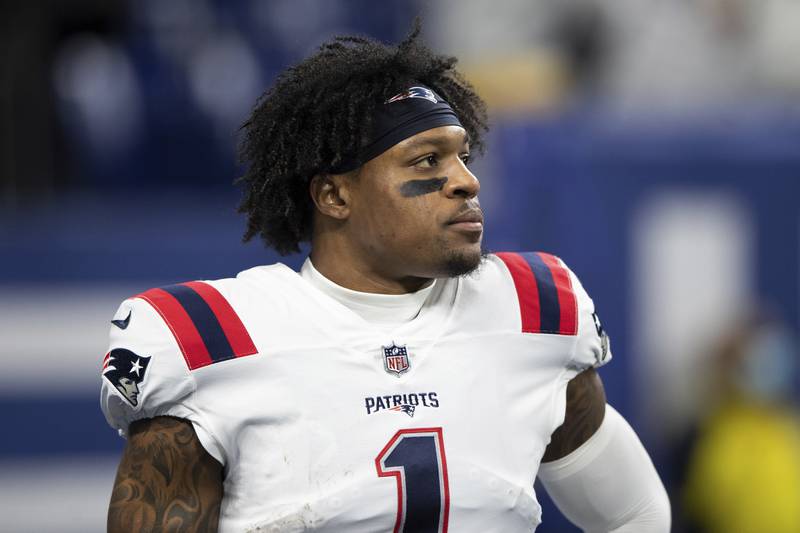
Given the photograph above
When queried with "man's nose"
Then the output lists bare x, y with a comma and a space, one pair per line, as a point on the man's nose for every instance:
462, 183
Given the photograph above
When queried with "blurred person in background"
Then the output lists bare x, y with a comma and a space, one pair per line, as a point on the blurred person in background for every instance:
277, 401
744, 468
34, 158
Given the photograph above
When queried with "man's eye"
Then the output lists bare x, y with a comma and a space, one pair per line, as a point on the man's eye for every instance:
465, 158
427, 161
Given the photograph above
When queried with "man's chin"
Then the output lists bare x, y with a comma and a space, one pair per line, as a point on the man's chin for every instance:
462, 262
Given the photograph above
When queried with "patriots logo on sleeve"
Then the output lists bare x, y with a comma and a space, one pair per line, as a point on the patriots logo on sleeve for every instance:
125, 370
604, 342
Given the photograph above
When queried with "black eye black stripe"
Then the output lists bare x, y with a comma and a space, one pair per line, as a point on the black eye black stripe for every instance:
413, 188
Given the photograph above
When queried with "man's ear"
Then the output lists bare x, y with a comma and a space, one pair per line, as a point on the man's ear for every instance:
331, 194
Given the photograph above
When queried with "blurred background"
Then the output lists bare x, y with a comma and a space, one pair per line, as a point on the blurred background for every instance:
654, 145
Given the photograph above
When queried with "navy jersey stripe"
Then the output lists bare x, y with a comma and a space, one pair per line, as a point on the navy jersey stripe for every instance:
204, 320
548, 294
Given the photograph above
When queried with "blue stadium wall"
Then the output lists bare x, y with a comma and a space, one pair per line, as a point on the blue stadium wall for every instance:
572, 187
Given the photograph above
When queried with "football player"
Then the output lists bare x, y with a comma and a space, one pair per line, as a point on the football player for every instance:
402, 380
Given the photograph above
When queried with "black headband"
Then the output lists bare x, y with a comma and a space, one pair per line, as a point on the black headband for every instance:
416, 109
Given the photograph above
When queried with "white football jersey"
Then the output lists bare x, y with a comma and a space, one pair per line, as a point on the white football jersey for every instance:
326, 423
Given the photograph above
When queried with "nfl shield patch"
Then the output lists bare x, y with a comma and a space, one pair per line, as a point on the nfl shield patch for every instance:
395, 359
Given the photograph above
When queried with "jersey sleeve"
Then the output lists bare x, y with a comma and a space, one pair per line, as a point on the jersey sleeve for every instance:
552, 301
592, 348
145, 375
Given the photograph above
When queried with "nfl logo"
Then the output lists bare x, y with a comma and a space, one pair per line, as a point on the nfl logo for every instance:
395, 359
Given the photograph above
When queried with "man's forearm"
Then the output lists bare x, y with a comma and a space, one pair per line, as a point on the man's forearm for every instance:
609, 484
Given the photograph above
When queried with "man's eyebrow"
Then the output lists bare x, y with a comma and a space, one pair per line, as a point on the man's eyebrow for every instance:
437, 141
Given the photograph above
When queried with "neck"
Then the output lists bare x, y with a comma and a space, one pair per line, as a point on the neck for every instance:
348, 268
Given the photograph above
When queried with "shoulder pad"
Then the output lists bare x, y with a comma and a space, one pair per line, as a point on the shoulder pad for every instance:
547, 301
203, 322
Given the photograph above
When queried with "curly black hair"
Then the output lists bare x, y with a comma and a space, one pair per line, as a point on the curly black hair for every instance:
316, 116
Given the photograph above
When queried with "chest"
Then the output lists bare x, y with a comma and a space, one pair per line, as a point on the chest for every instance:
397, 435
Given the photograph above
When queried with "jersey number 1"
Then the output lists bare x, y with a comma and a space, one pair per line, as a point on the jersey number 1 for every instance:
415, 458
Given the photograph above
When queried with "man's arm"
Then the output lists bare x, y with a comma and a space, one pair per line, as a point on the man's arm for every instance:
596, 469
586, 407
166, 481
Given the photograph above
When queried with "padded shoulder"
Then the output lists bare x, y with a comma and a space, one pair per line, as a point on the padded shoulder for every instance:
593, 347
143, 373
552, 301
547, 300
202, 321
154, 343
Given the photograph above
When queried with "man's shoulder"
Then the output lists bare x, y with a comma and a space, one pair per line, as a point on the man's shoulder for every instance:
267, 282
537, 288
486, 301
161, 336
210, 317
523, 271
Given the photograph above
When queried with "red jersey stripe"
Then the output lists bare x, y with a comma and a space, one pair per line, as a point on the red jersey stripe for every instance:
183, 329
232, 326
527, 290
567, 302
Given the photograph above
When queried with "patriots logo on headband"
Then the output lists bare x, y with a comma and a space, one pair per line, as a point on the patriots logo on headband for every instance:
414, 92
125, 370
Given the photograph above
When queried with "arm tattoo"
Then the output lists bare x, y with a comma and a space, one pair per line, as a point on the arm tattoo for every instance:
166, 481
586, 406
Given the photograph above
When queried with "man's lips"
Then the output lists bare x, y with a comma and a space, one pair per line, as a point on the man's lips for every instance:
471, 220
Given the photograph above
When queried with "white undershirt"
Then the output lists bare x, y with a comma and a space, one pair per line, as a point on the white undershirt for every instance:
382, 310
